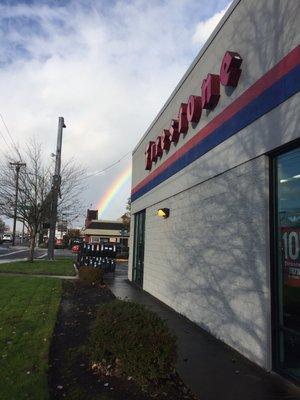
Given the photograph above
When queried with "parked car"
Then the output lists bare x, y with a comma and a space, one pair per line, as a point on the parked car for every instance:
76, 248
76, 241
7, 237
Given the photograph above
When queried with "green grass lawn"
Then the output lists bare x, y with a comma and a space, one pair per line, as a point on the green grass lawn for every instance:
43, 267
28, 308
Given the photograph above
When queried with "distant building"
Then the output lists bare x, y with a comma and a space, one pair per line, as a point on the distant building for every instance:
61, 229
100, 231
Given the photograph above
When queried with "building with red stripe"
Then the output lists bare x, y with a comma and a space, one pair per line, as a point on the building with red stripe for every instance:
216, 188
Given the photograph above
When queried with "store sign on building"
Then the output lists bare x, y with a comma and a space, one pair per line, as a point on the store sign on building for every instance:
191, 111
291, 255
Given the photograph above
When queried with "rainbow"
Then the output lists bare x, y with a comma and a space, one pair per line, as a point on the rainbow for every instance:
114, 188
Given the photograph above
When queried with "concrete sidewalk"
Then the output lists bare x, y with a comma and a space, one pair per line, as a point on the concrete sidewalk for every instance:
212, 370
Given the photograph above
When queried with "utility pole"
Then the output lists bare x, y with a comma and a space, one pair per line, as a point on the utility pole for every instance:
56, 181
18, 166
23, 229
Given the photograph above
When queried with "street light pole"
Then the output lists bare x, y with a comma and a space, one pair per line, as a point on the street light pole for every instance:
18, 166
56, 181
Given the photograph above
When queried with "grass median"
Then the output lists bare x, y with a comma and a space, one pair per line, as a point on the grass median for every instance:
62, 267
28, 309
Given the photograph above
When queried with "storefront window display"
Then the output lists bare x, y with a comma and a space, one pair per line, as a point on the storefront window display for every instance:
287, 167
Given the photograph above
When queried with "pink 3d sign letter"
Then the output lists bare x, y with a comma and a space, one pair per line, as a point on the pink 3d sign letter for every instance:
230, 71
190, 112
166, 141
183, 124
174, 131
194, 108
153, 152
159, 150
210, 91
149, 156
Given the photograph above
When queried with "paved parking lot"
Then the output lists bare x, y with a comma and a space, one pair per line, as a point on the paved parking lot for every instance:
19, 252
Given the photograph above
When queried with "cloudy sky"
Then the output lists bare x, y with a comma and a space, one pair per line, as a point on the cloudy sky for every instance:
106, 66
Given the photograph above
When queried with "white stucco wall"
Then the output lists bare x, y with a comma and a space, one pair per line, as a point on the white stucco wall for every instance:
210, 259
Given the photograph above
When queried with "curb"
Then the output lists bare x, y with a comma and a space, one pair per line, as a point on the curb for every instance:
12, 260
76, 270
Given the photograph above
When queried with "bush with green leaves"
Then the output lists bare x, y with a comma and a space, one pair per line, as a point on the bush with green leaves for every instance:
133, 340
91, 275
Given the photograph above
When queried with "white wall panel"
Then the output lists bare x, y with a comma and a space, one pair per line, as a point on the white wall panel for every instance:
210, 259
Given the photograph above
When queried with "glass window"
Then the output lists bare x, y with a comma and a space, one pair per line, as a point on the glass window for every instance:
288, 262
138, 247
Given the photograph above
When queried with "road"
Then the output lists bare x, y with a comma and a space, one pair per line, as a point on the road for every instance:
18, 252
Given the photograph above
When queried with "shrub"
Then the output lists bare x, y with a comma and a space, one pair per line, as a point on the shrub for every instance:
134, 341
91, 275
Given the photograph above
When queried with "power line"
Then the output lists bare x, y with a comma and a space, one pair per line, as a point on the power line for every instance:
8, 131
108, 167
3, 137
9, 147
14, 146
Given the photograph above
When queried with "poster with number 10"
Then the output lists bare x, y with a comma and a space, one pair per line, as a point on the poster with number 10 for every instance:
290, 244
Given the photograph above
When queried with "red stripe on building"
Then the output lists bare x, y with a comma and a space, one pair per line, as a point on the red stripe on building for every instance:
278, 71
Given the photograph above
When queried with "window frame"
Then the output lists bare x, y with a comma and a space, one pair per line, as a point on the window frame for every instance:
273, 223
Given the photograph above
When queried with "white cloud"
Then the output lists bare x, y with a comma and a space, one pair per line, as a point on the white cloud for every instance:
106, 67
205, 28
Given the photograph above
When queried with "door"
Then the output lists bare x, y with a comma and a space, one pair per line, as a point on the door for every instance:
287, 262
138, 247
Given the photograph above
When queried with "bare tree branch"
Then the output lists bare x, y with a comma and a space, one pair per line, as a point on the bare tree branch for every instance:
35, 194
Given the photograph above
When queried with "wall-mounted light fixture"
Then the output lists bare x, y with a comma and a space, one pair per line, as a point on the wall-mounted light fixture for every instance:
163, 212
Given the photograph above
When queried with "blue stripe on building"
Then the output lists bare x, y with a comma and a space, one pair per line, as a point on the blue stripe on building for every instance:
279, 92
